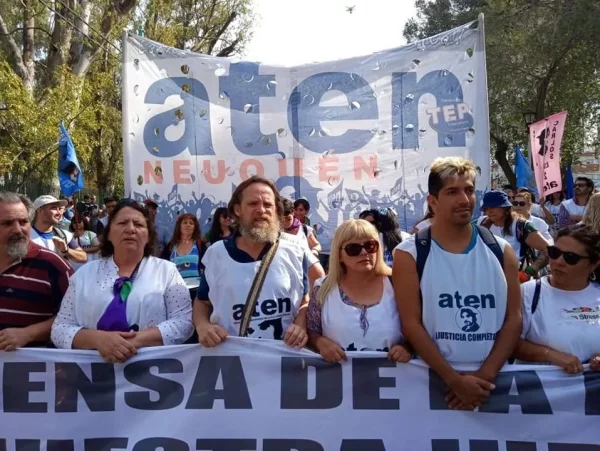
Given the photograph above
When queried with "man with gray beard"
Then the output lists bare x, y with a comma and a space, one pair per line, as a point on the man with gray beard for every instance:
33, 279
231, 266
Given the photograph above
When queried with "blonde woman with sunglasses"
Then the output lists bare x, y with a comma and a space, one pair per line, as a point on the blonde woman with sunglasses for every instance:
353, 308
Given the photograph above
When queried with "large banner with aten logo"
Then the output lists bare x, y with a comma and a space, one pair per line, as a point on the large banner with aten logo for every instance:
260, 395
347, 135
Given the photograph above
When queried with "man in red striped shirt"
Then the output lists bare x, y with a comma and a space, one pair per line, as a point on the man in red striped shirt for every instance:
33, 279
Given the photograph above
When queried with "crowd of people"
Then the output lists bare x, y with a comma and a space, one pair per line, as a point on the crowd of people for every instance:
518, 284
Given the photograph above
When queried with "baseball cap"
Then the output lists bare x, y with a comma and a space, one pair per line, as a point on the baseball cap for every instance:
47, 199
150, 203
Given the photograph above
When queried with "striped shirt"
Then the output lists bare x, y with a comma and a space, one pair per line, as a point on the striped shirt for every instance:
32, 288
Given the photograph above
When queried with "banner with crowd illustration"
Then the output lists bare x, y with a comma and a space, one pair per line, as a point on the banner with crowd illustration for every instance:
346, 135
251, 394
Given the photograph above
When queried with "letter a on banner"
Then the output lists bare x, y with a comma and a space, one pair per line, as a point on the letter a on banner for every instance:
545, 139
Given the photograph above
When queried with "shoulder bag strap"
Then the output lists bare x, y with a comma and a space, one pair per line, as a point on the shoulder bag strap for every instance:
255, 288
536, 295
423, 245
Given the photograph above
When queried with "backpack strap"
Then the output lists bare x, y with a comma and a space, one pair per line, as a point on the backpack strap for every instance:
305, 228
536, 295
490, 241
486, 222
60, 233
423, 245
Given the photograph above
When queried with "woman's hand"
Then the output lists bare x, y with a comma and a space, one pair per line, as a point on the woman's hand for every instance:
115, 347
567, 362
330, 350
211, 335
468, 392
400, 353
295, 336
595, 363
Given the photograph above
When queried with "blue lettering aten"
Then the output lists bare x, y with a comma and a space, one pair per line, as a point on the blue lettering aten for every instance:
244, 86
268, 307
447, 300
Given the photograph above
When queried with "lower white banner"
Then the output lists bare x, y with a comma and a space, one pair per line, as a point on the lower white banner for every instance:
259, 395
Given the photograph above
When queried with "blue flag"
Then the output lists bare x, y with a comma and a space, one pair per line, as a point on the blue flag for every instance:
69, 172
524, 173
569, 183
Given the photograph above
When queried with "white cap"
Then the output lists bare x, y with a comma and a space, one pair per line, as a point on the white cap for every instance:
47, 199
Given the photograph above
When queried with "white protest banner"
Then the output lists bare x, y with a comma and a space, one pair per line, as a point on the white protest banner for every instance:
545, 139
347, 135
250, 394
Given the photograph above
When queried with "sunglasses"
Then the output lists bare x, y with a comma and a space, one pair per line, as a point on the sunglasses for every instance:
354, 249
570, 258
519, 203
580, 185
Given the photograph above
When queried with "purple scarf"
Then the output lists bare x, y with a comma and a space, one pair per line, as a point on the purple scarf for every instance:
293, 229
114, 318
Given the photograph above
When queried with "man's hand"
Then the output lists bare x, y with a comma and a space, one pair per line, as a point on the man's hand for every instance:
595, 363
59, 244
13, 338
468, 392
211, 335
295, 336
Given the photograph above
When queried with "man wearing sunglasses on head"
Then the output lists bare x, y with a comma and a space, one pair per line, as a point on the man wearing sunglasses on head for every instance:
572, 210
457, 289
561, 312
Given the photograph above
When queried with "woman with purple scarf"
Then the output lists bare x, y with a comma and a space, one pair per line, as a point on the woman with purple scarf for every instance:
128, 299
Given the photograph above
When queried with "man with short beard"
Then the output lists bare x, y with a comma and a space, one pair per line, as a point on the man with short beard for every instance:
33, 279
46, 233
231, 265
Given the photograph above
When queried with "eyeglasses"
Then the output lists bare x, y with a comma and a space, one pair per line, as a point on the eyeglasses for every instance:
581, 185
519, 203
570, 258
354, 249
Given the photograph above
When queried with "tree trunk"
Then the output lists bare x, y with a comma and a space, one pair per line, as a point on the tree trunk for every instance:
501, 157
59, 43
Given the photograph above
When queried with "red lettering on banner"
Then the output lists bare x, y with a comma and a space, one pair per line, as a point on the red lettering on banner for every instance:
181, 172
206, 167
328, 167
361, 165
153, 172
251, 162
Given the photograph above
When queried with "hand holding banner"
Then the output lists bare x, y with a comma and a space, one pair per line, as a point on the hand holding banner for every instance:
545, 138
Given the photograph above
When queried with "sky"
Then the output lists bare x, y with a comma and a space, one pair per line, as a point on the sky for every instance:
293, 32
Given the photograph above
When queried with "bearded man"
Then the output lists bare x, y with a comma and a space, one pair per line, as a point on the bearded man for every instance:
231, 266
33, 279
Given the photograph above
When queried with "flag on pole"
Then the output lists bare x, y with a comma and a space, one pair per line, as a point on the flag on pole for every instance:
545, 138
569, 183
69, 171
524, 173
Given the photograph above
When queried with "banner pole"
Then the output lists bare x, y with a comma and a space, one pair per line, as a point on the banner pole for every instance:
124, 117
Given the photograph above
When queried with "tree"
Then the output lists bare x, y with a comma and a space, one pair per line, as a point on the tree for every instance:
62, 62
542, 56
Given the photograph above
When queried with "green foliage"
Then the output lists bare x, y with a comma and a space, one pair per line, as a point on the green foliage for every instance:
73, 75
542, 57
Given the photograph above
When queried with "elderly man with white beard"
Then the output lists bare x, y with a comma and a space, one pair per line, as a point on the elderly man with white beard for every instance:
33, 279
254, 285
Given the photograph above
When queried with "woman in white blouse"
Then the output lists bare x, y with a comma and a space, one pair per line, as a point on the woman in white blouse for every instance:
562, 326
354, 308
128, 299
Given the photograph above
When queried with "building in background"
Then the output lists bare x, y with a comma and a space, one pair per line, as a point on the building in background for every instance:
589, 165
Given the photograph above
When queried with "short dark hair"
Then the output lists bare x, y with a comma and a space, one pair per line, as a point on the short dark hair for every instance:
302, 202
508, 186
443, 168
106, 247
589, 182
288, 207
111, 199
236, 197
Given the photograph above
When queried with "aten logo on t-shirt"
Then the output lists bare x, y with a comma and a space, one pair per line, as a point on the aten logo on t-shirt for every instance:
468, 316
267, 317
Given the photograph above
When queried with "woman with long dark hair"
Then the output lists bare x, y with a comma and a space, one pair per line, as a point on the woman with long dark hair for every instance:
390, 235
220, 227
185, 246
